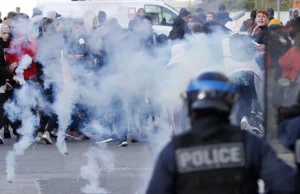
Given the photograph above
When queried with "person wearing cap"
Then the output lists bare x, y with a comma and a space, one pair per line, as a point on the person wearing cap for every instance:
180, 27
53, 15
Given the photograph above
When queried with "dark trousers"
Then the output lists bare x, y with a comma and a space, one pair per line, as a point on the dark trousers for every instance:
2, 112
117, 119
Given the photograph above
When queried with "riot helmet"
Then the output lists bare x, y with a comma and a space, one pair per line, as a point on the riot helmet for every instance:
210, 92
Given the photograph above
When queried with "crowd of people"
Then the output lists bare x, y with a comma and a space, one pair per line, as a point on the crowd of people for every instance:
32, 49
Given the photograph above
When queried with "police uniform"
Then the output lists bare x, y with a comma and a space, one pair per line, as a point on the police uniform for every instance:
218, 157
214, 156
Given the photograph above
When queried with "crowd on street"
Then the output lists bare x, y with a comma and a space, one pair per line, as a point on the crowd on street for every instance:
34, 51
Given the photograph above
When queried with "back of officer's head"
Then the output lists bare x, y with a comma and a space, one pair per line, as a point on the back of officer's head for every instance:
211, 94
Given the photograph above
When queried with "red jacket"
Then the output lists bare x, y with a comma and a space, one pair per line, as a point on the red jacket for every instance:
290, 62
20, 46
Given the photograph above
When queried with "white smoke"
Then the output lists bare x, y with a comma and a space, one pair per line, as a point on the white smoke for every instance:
63, 106
22, 108
136, 76
92, 171
23, 64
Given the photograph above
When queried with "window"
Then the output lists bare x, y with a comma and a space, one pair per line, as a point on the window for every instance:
168, 17
155, 12
160, 15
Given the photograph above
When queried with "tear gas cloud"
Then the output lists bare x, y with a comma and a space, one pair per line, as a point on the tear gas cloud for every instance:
22, 108
147, 82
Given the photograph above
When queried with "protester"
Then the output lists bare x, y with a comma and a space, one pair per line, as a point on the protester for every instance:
210, 16
271, 14
223, 16
101, 17
249, 23
18, 10
92, 44
200, 10
295, 13
22, 49
141, 12
191, 21
180, 26
259, 32
196, 28
5, 76
289, 63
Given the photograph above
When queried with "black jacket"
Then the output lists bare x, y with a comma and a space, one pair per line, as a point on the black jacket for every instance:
262, 36
4, 44
180, 28
4, 73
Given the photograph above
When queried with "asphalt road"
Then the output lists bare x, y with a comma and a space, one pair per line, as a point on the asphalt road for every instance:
43, 170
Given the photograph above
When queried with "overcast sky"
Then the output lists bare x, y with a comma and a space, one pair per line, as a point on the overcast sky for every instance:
26, 5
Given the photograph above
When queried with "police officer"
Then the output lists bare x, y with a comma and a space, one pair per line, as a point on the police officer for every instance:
215, 156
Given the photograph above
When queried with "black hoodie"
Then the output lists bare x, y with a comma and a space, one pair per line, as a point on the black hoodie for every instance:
4, 73
5, 44
180, 28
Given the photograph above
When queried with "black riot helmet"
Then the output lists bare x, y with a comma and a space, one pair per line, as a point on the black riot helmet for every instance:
212, 92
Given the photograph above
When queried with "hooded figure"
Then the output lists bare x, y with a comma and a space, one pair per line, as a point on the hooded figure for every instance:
271, 13
177, 56
4, 33
36, 12
223, 17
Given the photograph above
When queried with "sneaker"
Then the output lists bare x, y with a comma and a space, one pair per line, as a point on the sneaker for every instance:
39, 137
6, 133
105, 140
134, 140
85, 137
251, 126
54, 132
1, 140
123, 143
46, 137
74, 134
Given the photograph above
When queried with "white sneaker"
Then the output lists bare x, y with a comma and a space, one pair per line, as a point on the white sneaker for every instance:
46, 137
39, 137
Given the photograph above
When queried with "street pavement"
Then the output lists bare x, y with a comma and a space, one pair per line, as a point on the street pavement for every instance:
43, 170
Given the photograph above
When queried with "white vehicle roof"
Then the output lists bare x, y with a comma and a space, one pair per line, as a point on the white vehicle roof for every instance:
78, 8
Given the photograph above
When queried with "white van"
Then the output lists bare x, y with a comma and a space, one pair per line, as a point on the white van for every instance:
163, 15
